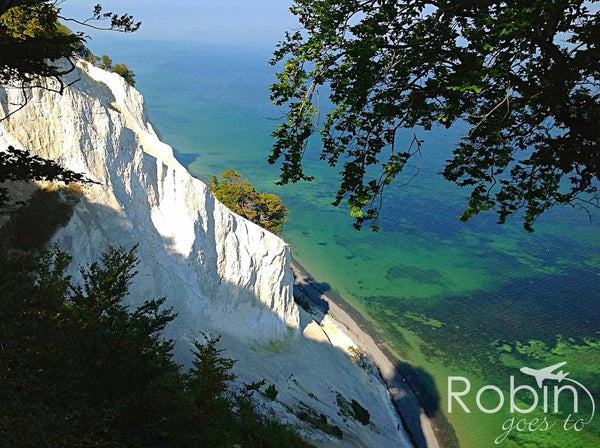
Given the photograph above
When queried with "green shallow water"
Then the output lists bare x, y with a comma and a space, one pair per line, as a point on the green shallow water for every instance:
476, 299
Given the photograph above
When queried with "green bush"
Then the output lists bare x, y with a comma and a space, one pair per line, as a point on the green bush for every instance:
264, 209
360, 413
125, 72
271, 392
106, 63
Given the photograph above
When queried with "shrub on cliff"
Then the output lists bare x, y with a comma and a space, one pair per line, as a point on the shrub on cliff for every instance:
264, 209
106, 63
271, 392
125, 72
360, 413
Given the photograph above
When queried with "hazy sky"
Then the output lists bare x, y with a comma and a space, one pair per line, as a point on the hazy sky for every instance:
226, 21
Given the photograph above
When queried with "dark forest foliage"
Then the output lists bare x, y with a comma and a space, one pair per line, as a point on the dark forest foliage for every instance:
79, 368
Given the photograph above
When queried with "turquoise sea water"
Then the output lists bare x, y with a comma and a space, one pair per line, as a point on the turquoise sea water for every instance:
475, 299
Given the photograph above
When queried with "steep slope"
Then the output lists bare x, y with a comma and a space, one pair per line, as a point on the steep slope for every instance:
221, 273
239, 272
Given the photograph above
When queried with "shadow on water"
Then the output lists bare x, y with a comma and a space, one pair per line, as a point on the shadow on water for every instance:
422, 385
322, 286
425, 398
308, 293
185, 158
308, 301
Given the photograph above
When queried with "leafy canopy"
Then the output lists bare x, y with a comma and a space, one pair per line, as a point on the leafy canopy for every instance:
523, 75
264, 209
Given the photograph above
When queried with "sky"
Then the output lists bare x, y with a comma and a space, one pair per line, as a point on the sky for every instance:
248, 22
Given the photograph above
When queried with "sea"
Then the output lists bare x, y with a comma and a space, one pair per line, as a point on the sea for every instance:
474, 302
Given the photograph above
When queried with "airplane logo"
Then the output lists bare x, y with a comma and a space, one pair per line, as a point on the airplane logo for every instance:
546, 373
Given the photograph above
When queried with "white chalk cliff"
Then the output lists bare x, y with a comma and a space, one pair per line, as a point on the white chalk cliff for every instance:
220, 272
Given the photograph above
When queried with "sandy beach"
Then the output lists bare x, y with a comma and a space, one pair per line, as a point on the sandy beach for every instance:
416, 422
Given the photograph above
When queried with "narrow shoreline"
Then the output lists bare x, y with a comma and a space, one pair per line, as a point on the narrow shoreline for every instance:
419, 427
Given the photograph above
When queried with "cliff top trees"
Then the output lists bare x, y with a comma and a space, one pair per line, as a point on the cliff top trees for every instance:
264, 209
106, 63
125, 72
523, 75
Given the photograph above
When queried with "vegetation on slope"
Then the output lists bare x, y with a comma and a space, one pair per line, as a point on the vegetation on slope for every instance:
81, 368
105, 62
264, 209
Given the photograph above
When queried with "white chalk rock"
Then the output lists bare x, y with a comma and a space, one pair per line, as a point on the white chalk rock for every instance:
219, 270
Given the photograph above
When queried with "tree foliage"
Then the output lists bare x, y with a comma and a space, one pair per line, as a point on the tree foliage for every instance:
210, 374
20, 165
31, 41
523, 75
79, 367
104, 62
34, 44
264, 209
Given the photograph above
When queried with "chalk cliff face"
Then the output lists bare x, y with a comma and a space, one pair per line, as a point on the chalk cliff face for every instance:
221, 271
